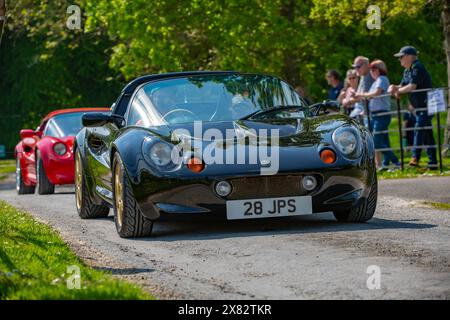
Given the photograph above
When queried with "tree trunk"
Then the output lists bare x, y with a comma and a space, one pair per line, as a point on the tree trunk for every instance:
2, 17
446, 26
291, 68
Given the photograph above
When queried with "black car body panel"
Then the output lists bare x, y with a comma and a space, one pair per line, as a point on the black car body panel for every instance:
341, 185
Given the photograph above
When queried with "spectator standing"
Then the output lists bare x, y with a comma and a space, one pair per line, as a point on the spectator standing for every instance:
349, 91
380, 123
416, 77
333, 79
361, 66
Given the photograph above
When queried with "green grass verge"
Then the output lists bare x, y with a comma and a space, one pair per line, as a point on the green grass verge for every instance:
438, 205
34, 264
410, 172
7, 166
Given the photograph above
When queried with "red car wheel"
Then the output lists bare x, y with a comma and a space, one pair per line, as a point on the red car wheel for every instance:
21, 187
43, 184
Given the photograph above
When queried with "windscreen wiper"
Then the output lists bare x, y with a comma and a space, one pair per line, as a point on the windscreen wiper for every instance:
271, 109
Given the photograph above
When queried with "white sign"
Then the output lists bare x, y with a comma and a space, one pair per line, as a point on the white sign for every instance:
436, 101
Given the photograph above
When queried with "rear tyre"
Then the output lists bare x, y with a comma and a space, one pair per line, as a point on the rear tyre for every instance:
129, 220
44, 185
365, 211
21, 187
86, 209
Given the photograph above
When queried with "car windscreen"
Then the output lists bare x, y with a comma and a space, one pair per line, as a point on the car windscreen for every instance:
211, 98
64, 125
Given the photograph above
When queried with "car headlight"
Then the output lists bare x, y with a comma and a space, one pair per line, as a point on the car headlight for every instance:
60, 149
159, 153
348, 141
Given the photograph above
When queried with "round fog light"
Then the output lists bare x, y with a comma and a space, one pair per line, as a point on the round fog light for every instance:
309, 183
223, 188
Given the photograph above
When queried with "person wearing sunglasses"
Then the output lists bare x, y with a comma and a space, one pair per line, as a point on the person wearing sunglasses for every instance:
348, 93
361, 66
416, 77
378, 106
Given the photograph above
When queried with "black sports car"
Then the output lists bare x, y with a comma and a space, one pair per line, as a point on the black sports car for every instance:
213, 141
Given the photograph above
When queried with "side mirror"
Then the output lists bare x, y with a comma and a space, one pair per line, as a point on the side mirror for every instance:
96, 119
26, 133
332, 106
327, 106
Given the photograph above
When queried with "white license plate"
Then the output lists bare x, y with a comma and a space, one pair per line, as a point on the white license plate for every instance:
269, 208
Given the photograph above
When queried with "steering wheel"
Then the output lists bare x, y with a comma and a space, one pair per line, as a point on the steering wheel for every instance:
191, 114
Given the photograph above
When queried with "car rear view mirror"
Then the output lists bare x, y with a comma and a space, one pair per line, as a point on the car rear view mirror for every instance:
96, 119
26, 133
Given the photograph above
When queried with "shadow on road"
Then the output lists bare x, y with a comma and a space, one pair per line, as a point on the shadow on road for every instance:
210, 226
176, 227
9, 184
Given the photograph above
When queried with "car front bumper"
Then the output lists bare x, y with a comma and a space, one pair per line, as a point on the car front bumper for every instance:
338, 189
60, 169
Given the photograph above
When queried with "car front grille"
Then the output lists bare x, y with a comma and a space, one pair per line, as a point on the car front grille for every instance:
266, 187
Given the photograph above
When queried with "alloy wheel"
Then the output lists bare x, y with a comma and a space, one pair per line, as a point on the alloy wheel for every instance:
18, 173
118, 191
78, 180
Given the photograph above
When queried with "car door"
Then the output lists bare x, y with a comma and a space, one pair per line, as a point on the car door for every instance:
99, 141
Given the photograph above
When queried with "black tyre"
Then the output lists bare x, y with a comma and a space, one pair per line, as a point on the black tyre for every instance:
129, 220
365, 211
44, 185
21, 187
86, 209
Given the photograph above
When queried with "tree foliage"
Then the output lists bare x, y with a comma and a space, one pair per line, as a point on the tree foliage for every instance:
297, 40
44, 65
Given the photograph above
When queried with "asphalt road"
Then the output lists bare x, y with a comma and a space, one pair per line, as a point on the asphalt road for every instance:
309, 257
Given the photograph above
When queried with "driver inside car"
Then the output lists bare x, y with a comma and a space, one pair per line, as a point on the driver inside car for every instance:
241, 105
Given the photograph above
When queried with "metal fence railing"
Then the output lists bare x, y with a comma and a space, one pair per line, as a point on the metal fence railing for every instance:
398, 112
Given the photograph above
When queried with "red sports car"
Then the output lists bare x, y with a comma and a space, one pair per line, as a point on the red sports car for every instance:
45, 157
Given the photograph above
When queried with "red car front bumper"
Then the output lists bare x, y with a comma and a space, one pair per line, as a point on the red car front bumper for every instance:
60, 169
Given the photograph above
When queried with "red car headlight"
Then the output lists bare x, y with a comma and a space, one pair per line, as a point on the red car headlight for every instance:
60, 149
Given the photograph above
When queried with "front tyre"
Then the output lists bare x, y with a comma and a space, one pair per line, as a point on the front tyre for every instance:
129, 220
86, 209
44, 185
365, 211
21, 187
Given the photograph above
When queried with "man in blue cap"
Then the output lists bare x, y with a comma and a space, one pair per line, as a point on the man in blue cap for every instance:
416, 77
